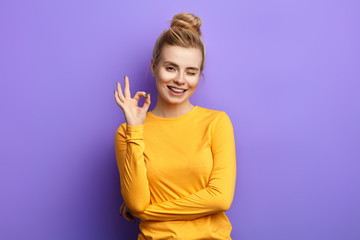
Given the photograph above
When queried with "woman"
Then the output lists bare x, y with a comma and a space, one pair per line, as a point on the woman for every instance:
177, 163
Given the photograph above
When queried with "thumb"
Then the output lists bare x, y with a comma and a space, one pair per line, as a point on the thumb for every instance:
147, 102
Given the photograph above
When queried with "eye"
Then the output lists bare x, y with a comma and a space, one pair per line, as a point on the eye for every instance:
191, 73
170, 68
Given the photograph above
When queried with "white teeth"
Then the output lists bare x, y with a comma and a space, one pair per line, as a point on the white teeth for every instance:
177, 90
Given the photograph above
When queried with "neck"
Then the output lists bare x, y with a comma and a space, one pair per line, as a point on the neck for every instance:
171, 110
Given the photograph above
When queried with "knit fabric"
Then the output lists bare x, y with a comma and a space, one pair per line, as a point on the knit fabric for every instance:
177, 175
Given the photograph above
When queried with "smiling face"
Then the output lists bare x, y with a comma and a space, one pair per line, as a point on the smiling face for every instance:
178, 68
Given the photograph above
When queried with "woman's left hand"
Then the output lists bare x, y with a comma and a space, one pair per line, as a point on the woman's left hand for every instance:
126, 212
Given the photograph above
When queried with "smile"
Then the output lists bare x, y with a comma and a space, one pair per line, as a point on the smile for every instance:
177, 90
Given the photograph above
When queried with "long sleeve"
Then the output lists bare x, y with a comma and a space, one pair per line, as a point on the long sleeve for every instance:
218, 194
129, 149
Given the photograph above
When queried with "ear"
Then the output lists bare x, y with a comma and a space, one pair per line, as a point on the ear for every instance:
152, 67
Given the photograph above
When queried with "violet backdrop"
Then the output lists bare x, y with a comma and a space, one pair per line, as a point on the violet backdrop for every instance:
286, 72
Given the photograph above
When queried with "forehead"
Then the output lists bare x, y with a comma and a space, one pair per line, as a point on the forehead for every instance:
185, 57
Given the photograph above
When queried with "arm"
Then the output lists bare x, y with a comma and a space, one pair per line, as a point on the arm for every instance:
129, 149
219, 193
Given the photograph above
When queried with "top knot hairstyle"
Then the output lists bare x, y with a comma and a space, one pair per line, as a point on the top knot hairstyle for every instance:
184, 31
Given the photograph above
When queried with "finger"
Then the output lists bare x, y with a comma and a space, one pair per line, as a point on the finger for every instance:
122, 208
127, 87
117, 99
147, 103
129, 217
139, 94
119, 91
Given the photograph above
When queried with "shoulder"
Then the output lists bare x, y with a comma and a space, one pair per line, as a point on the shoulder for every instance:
219, 121
213, 114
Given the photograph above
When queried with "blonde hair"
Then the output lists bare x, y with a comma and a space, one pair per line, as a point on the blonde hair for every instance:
184, 31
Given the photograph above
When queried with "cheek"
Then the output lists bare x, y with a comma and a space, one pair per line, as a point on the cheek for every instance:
193, 83
165, 76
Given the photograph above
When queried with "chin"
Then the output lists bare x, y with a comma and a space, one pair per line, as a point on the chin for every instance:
176, 101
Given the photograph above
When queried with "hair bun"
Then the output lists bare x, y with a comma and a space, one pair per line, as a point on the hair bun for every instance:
188, 21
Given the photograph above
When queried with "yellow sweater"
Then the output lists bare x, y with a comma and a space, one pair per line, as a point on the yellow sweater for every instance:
177, 175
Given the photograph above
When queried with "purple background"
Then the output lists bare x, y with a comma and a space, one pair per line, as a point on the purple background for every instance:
286, 72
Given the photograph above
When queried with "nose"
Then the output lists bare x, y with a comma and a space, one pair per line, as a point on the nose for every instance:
180, 78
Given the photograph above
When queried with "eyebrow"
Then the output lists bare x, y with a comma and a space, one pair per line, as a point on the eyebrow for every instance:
194, 68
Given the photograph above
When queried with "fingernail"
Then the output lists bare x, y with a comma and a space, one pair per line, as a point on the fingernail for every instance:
146, 95
124, 76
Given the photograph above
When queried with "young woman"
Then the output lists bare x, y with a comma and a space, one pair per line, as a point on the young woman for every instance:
177, 163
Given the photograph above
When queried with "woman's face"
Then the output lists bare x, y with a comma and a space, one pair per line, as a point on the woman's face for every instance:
178, 68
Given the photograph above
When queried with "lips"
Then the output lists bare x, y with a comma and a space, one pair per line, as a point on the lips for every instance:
176, 88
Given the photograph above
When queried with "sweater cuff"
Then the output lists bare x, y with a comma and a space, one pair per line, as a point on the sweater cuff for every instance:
134, 132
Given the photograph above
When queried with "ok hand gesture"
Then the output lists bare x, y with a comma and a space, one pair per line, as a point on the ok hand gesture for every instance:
134, 114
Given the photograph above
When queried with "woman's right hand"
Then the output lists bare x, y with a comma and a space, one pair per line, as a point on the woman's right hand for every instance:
134, 115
